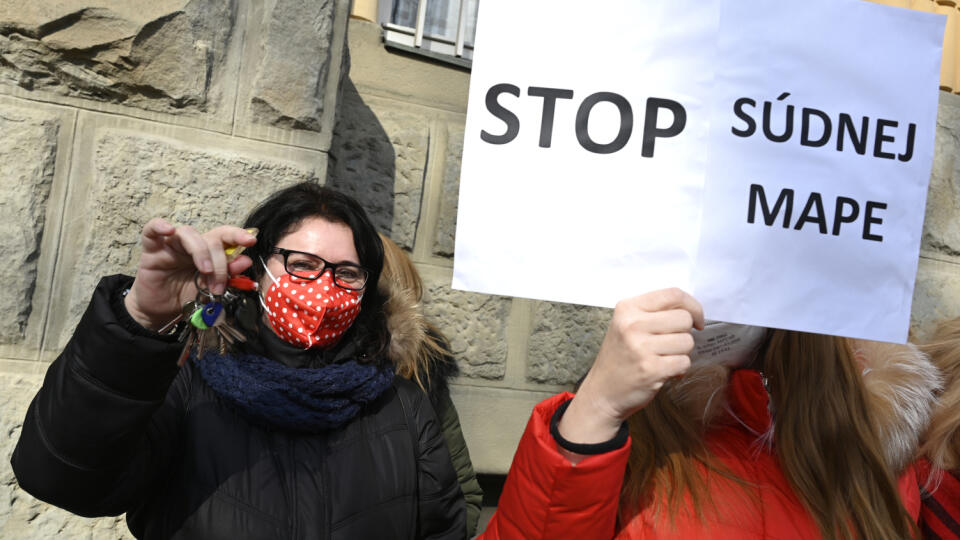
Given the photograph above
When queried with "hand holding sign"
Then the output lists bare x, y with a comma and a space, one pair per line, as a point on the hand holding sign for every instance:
648, 342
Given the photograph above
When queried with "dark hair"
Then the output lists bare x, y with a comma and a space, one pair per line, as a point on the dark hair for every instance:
284, 211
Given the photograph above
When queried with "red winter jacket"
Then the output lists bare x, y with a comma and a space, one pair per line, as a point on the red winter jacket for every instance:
546, 497
940, 514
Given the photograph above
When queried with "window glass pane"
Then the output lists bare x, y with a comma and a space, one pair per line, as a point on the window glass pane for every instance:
404, 13
471, 6
442, 18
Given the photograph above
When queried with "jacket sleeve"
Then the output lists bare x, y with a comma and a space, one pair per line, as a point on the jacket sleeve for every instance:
103, 424
546, 497
441, 512
940, 510
460, 457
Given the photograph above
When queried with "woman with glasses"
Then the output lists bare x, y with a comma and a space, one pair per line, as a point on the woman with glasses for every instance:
285, 420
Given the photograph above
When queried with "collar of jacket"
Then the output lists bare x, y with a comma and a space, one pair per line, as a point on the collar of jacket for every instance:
901, 385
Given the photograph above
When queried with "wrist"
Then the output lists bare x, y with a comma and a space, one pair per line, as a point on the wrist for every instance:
141, 318
585, 421
575, 451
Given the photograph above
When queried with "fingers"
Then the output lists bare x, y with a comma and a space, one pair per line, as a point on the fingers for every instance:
234, 236
666, 300
239, 265
154, 233
665, 322
648, 343
663, 345
675, 365
207, 252
219, 260
193, 244
217, 241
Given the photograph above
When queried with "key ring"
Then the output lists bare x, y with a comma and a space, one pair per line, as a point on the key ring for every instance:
202, 291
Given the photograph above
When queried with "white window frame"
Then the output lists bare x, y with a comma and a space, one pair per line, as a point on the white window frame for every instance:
414, 40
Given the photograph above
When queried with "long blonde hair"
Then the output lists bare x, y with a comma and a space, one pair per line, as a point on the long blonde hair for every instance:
416, 345
942, 441
824, 438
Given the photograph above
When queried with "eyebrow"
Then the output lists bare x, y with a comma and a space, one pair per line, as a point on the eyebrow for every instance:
351, 263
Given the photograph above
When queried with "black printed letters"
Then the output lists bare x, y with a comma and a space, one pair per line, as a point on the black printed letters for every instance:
653, 123
814, 214
817, 128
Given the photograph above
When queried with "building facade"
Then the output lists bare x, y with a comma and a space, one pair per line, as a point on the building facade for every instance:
194, 110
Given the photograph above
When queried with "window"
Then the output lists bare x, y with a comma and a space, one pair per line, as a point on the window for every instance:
441, 29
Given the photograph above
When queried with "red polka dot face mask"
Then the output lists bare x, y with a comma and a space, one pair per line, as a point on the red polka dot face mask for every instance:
309, 313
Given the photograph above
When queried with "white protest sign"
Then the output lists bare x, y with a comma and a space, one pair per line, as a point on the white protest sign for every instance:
591, 133
569, 208
829, 107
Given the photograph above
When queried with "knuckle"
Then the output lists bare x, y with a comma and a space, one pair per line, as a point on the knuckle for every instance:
673, 294
686, 319
687, 342
640, 344
621, 324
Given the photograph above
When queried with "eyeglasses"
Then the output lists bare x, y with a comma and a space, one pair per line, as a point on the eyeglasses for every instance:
308, 266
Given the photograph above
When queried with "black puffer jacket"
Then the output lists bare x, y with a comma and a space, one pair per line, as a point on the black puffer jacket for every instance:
117, 427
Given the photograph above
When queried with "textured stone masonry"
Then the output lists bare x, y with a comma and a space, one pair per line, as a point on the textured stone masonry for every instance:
936, 297
475, 324
136, 178
28, 148
290, 85
164, 55
379, 157
941, 231
450, 192
564, 341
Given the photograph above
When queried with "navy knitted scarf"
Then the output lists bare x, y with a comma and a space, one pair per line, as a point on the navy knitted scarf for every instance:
296, 399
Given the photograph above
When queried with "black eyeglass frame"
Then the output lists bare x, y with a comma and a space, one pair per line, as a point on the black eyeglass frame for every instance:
285, 253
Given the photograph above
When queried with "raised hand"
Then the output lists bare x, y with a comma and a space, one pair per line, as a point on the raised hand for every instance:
647, 343
169, 259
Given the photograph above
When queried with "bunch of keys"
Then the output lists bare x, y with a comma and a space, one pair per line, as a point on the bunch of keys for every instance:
212, 320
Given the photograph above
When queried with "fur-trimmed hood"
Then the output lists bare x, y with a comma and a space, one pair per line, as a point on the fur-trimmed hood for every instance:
901, 385
415, 345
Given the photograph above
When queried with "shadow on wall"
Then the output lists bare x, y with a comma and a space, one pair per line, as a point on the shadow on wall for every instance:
362, 161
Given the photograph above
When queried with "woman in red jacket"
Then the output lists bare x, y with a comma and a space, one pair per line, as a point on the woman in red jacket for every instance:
940, 516
790, 435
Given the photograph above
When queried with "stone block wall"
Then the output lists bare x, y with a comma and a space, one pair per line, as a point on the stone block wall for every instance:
195, 109
112, 112
937, 294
